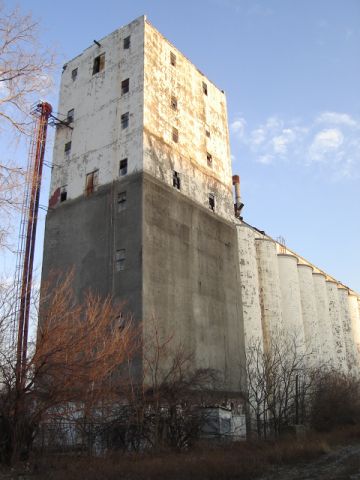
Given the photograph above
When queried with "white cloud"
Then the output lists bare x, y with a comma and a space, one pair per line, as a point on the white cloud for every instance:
238, 127
329, 143
326, 141
336, 118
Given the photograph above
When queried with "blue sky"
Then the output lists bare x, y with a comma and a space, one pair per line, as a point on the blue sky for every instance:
291, 73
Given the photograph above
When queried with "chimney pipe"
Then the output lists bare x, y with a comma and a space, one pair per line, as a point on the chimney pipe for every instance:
238, 204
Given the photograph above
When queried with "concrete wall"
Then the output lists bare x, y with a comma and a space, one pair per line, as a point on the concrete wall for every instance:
97, 139
196, 113
191, 280
291, 300
336, 326
270, 292
309, 314
355, 322
83, 234
350, 346
249, 281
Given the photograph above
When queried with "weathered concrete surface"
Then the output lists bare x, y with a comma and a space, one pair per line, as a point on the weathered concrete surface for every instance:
291, 300
336, 326
84, 234
191, 279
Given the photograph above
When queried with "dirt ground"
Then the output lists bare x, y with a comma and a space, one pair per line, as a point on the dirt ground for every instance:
341, 464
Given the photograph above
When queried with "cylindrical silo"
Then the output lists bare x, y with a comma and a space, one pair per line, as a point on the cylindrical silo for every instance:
336, 326
291, 299
249, 282
270, 293
351, 351
326, 341
309, 314
355, 322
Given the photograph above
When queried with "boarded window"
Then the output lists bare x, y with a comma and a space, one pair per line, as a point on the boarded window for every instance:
174, 103
123, 167
125, 120
209, 159
127, 43
63, 193
125, 86
212, 202
70, 116
175, 135
121, 201
173, 59
91, 182
120, 257
99, 63
74, 74
204, 88
176, 180
67, 148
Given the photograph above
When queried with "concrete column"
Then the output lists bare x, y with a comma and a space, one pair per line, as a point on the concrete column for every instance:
325, 339
355, 322
336, 326
351, 351
309, 314
249, 282
270, 293
290, 299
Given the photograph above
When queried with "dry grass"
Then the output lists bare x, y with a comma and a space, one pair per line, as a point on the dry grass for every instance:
245, 461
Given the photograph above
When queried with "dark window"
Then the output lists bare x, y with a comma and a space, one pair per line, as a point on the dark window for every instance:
121, 200
209, 159
175, 135
70, 116
127, 43
212, 202
67, 148
99, 63
91, 182
123, 167
63, 193
207, 133
204, 87
120, 256
176, 180
125, 120
124, 86
173, 59
174, 103
74, 74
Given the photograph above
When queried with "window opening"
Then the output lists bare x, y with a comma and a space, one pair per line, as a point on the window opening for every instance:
123, 167
209, 159
70, 116
125, 120
121, 200
176, 180
120, 257
99, 63
173, 59
125, 86
67, 148
207, 133
127, 43
63, 193
212, 202
205, 88
175, 135
91, 182
174, 103
74, 74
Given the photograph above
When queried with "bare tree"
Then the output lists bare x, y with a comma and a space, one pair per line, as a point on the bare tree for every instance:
278, 384
78, 353
25, 75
